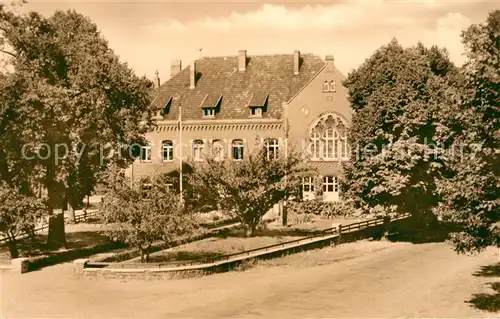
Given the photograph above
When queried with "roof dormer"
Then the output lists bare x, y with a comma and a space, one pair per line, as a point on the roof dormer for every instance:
211, 105
258, 103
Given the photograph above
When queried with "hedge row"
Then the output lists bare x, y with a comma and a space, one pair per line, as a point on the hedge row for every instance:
340, 209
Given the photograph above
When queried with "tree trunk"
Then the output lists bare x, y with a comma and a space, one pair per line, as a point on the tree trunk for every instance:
142, 253
57, 236
12, 243
252, 230
284, 214
386, 227
71, 213
86, 208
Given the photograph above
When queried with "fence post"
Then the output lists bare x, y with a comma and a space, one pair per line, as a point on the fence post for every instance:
338, 241
386, 225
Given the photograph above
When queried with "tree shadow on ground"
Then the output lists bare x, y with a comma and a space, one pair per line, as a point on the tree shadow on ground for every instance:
37, 245
488, 301
421, 234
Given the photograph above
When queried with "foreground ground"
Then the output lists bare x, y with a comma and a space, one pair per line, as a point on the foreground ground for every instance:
364, 279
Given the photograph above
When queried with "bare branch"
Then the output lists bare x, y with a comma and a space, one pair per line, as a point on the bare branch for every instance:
9, 53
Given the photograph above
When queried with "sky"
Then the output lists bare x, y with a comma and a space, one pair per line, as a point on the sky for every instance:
148, 35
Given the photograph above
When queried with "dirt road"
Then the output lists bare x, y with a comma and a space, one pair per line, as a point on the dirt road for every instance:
404, 280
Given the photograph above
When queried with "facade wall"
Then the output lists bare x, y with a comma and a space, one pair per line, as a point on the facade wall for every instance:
249, 132
304, 110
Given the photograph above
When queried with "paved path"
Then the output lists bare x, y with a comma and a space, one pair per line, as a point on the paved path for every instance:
427, 280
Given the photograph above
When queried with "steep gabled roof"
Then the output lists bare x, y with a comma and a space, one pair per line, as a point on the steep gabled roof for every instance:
219, 78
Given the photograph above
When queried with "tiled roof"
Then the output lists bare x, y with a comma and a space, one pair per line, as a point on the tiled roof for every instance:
218, 77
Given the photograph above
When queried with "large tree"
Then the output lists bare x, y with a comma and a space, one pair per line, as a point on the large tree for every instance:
398, 95
72, 97
249, 188
471, 187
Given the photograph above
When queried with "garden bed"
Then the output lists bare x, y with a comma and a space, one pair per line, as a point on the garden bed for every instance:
231, 241
207, 249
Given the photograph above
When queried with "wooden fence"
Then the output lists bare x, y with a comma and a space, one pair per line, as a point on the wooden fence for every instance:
45, 224
201, 263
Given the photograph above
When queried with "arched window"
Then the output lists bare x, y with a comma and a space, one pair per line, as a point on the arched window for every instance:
315, 146
272, 146
333, 87
167, 150
218, 150
198, 150
237, 146
344, 146
146, 152
329, 134
330, 143
326, 87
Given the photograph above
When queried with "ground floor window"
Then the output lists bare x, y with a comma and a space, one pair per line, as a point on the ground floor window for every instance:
308, 188
330, 188
146, 152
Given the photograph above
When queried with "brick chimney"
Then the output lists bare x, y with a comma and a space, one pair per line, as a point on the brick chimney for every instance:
192, 75
242, 60
157, 78
175, 67
296, 62
329, 63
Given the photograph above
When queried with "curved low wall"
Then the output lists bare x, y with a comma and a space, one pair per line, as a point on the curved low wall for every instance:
344, 233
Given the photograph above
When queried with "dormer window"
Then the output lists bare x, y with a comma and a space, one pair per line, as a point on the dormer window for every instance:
210, 105
258, 103
256, 111
166, 108
209, 112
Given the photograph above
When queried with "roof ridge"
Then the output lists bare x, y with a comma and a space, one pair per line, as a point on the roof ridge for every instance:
256, 55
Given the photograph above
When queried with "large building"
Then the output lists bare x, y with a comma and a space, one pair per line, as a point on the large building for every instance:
228, 104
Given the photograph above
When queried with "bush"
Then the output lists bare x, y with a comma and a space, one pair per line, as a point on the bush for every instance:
341, 209
299, 218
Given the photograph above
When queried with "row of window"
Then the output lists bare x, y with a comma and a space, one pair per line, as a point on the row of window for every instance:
329, 86
330, 146
330, 184
217, 150
254, 112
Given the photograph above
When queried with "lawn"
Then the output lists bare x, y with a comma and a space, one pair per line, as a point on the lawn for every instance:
204, 250
234, 240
